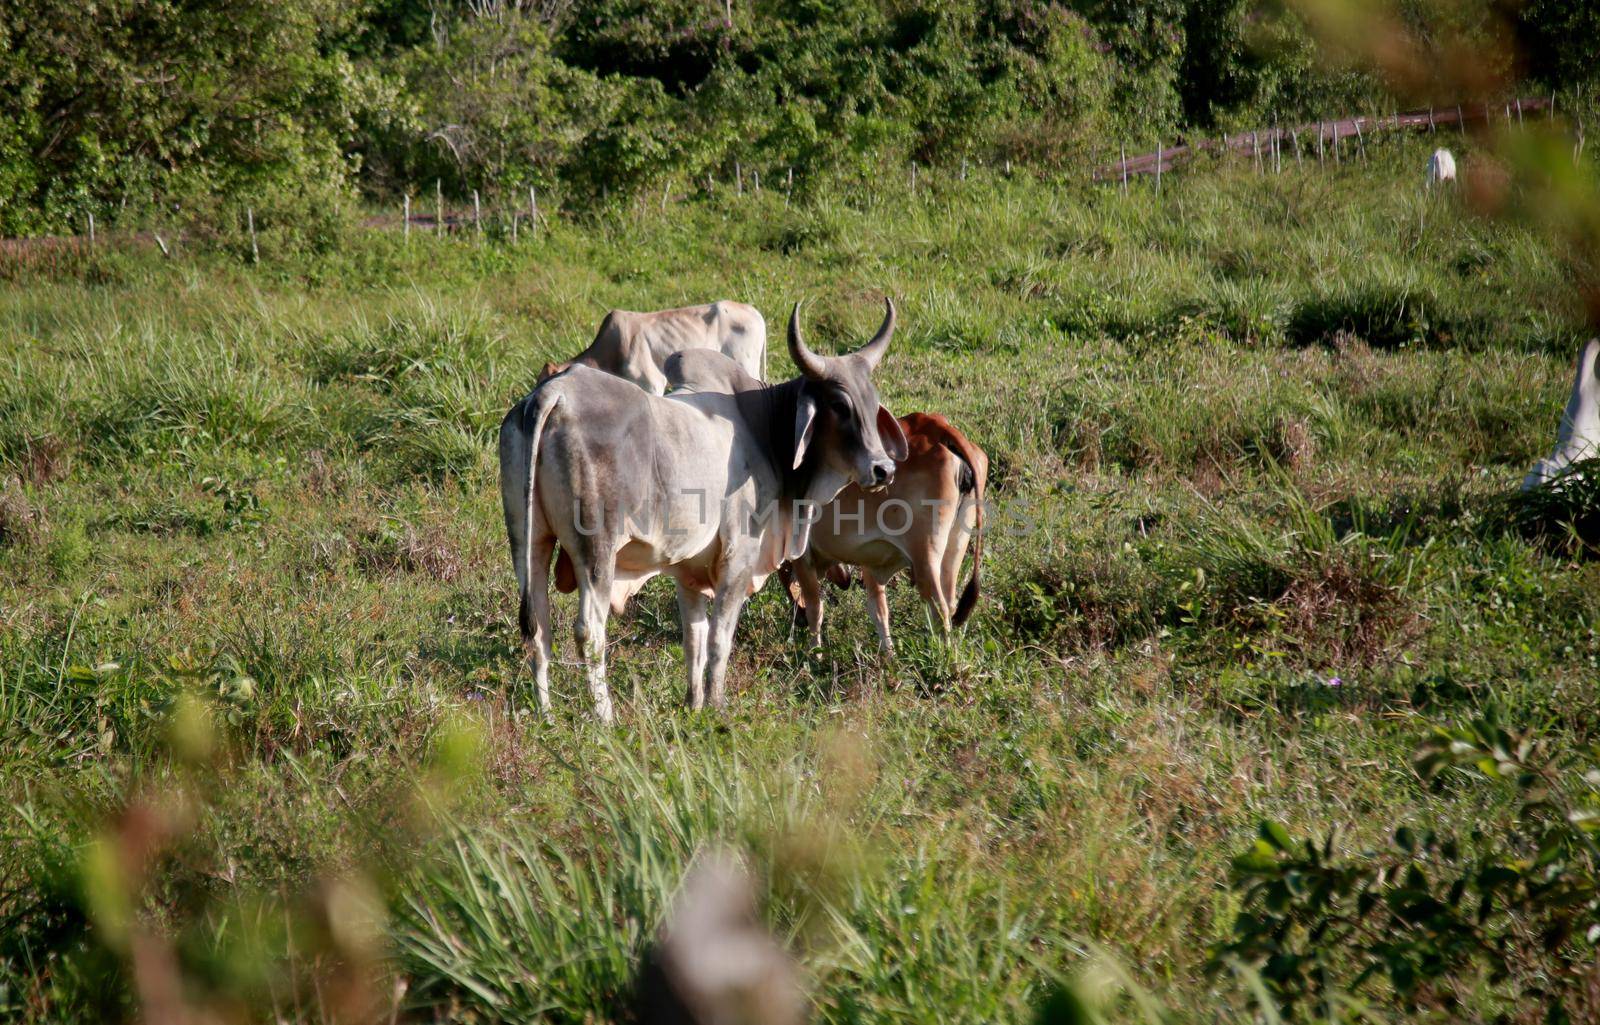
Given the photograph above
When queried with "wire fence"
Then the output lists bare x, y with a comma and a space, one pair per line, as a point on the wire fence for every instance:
1328, 141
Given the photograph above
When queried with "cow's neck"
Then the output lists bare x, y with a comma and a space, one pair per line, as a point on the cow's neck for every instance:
770, 412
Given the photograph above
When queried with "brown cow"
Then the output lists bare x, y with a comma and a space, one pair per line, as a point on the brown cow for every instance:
919, 522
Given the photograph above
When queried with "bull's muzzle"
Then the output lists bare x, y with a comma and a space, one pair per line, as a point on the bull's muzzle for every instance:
882, 474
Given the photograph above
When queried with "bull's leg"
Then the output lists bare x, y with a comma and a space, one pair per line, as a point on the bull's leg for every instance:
594, 605
926, 576
730, 599
535, 615
928, 571
878, 609
957, 535
805, 575
696, 631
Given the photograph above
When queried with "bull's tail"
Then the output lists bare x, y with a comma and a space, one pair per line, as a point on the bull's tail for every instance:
524, 425
978, 462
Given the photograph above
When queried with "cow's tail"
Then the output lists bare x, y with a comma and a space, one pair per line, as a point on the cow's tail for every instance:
978, 463
524, 425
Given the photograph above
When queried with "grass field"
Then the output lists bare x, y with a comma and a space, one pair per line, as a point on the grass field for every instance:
262, 711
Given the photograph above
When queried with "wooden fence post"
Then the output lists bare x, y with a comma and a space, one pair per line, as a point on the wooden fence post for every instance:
250, 219
1124, 169
91, 229
1359, 140
405, 232
1461, 121
1294, 135
477, 215
755, 175
913, 177
533, 208
438, 206
1519, 112
1431, 126
1319, 143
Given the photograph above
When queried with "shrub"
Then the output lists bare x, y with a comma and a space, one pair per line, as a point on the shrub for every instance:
1431, 909
1333, 598
20, 520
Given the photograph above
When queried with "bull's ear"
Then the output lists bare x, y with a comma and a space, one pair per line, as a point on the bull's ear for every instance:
893, 438
805, 424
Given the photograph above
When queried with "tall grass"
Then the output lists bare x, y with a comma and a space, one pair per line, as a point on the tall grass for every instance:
519, 924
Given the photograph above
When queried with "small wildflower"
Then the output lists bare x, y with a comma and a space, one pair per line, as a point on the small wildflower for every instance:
1334, 681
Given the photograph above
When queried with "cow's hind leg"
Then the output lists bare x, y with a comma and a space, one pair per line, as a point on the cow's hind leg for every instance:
805, 575
535, 619
594, 606
696, 632
928, 572
878, 609
957, 537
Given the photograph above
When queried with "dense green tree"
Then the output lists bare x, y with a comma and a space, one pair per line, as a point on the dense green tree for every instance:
1560, 41
135, 102
138, 106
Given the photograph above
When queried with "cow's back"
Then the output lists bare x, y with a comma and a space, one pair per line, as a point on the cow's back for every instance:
737, 330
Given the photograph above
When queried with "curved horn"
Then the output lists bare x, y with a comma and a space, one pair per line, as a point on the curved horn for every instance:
873, 351
810, 364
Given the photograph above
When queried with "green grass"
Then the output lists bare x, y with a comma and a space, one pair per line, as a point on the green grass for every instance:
1258, 430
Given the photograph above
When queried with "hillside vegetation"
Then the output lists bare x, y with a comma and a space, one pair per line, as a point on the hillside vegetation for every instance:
141, 113
260, 690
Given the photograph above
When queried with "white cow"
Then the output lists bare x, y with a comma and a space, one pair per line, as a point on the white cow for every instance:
635, 345
1441, 167
1578, 437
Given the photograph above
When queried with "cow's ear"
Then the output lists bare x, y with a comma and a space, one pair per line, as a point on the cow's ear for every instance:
805, 424
893, 438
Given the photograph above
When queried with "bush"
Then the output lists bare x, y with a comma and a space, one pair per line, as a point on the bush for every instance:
1434, 907
155, 108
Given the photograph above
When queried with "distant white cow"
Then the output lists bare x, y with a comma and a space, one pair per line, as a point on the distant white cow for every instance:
1579, 434
1441, 167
